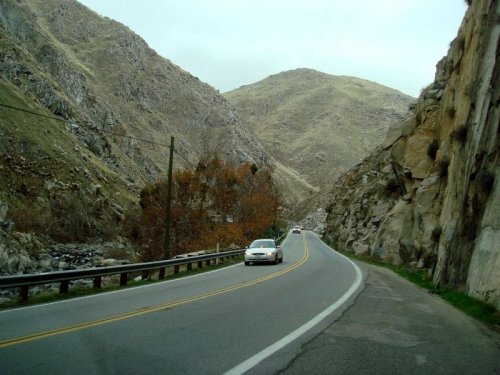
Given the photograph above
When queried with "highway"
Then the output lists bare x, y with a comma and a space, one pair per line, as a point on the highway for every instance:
225, 321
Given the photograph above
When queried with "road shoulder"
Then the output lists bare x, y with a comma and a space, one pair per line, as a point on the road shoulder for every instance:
397, 327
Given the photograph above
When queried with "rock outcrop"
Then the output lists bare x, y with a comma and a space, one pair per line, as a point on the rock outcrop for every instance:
429, 196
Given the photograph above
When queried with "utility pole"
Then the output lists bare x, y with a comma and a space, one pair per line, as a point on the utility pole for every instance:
169, 201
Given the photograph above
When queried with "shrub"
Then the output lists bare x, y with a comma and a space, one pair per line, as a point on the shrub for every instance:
436, 234
443, 167
392, 188
450, 112
485, 180
460, 134
432, 149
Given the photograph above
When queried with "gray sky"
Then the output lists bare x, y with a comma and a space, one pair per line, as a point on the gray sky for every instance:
230, 43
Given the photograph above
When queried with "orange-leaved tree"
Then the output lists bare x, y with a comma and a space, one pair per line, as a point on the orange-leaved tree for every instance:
217, 203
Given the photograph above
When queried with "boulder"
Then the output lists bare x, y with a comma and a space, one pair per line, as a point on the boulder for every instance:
393, 237
416, 158
393, 134
361, 249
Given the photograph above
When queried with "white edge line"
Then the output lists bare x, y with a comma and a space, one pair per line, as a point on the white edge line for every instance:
259, 357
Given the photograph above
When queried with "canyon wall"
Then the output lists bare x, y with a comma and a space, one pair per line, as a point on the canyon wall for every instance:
429, 197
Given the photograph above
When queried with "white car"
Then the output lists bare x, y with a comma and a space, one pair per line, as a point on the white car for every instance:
263, 250
296, 229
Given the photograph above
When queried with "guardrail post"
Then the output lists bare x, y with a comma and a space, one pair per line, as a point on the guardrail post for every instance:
161, 275
200, 264
24, 292
64, 287
189, 266
176, 269
217, 251
207, 262
98, 282
123, 278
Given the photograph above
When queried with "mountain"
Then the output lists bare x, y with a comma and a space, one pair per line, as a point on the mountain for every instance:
429, 197
318, 124
96, 108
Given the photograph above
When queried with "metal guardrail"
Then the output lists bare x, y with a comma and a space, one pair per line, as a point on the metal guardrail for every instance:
64, 277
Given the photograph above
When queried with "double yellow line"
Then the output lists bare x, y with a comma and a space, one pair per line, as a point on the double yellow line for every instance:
148, 310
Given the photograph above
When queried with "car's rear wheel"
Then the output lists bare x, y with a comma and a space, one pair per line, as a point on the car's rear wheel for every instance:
247, 263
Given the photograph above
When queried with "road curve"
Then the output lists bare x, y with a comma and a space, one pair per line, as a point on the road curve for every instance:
223, 321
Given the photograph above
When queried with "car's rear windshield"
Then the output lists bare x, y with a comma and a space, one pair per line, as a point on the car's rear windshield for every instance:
262, 244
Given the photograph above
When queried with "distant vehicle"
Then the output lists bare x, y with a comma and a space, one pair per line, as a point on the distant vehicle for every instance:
296, 229
263, 250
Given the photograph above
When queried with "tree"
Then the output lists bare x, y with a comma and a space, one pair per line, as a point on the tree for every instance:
218, 202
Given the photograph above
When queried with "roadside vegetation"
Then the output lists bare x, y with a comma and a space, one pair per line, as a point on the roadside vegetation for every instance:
217, 204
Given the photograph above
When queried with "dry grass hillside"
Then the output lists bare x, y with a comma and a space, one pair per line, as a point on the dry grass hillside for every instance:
318, 124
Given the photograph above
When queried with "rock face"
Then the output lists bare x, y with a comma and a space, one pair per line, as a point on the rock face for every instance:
429, 197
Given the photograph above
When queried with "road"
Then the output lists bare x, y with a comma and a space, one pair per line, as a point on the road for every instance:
312, 314
228, 320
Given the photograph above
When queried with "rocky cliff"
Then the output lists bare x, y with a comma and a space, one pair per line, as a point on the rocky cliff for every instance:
430, 195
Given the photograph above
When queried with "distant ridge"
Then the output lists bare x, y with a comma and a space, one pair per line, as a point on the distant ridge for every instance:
316, 123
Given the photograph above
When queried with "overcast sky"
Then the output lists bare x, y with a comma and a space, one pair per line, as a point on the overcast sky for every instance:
230, 43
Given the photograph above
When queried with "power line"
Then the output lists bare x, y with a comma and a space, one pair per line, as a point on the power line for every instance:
94, 128
81, 125
183, 158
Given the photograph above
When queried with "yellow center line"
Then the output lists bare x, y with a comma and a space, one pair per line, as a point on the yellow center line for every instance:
148, 310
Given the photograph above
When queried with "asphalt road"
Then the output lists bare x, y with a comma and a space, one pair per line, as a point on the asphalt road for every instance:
230, 320
312, 314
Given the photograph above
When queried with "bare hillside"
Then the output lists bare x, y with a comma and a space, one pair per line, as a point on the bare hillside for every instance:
318, 124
